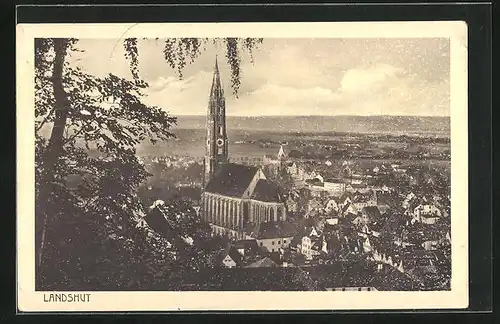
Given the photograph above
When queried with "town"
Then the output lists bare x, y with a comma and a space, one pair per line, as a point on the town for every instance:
299, 220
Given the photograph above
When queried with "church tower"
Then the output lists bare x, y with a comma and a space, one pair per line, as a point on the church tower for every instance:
216, 151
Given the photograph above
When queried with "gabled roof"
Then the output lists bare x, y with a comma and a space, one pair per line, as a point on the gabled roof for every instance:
250, 246
233, 254
346, 195
283, 151
296, 240
231, 180
263, 263
266, 191
371, 211
271, 230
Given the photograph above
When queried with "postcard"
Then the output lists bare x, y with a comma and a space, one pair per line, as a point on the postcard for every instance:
242, 166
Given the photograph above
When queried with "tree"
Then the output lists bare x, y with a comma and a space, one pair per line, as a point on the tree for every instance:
181, 51
90, 127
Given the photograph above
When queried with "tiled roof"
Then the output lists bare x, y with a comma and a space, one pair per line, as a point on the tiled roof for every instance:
263, 263
233, 253
250, 246
276, 230
359, 274
266, 191
231, 180
371, 211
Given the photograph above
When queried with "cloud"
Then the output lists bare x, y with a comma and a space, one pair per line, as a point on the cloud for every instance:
387, 90
369, 79
296, 77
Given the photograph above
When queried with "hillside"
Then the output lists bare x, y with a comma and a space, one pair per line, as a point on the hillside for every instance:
354, 124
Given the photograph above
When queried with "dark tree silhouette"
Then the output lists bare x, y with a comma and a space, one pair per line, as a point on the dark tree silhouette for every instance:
94, 125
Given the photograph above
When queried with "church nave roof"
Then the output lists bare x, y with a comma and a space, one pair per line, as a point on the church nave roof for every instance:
231, 180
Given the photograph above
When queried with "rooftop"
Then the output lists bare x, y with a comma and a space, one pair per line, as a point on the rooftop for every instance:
263, 263
266, 191
270, 230
231, 180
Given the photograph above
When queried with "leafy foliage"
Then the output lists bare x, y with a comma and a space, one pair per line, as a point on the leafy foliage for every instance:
84, 219
87, 171
179, 52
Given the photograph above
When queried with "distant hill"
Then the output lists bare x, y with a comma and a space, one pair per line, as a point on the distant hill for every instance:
312, 124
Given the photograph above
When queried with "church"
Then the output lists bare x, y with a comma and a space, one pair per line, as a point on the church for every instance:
234, 196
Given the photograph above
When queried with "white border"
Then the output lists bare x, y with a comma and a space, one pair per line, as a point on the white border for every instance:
29, 300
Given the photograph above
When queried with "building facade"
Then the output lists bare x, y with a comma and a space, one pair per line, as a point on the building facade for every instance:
234, 195
216, 149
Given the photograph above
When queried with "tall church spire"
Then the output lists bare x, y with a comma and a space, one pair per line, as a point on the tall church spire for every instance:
216, 152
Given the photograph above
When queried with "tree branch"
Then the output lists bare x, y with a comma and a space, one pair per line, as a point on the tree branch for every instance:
45, 119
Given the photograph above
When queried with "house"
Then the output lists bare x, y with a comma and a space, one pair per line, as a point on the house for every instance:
314, 204
362, 200
269, 160
345, 172
345, 199
231, 258
249, 249
311, 246
291, 205
426, 214
331, 221
292, 169
360, 276
314, 182
273, 236
371, 213
332, 244
408, 198
335, 186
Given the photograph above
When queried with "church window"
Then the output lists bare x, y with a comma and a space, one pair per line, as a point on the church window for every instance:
272, 242
246, 212
279, 242
284, 241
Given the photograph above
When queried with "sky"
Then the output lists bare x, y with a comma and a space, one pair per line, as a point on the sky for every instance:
327, 76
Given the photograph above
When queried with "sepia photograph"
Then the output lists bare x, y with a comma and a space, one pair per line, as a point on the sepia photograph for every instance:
242, 166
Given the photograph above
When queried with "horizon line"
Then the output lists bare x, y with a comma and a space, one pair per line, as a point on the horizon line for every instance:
343, 115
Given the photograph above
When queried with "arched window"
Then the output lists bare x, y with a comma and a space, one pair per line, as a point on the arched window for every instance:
271, 214
246, 212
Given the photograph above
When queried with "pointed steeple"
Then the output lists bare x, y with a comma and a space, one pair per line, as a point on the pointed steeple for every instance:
217, 145
216, 90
